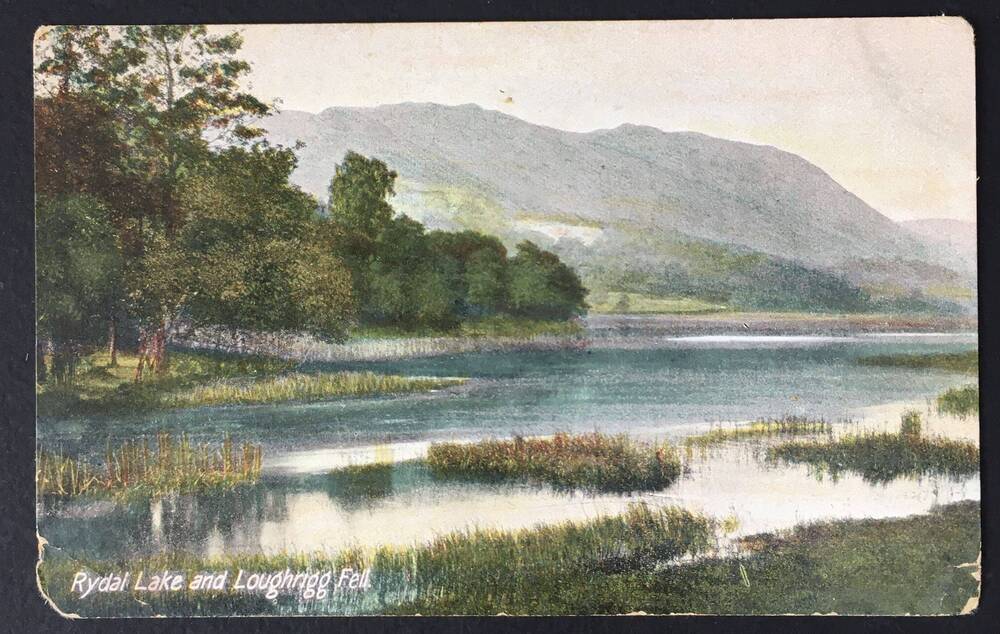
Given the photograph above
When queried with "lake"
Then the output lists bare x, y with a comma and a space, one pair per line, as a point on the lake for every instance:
662, 387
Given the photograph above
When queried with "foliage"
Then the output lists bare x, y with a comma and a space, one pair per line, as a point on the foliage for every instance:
960, 401
590, 461
135, 468
541, 286
79, 276
883, 457
406, 276
358, 195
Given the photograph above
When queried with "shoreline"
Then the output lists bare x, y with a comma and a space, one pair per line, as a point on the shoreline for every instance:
597, 332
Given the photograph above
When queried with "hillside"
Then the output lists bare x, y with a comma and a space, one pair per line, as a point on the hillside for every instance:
698, 216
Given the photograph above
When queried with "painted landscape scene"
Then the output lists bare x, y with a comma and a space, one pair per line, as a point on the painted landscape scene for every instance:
507, 318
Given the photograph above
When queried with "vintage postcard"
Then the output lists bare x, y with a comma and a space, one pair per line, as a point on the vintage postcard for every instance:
552, 318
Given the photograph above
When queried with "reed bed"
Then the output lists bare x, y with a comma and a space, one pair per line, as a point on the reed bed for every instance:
960, 401
883, 457
953, 361
514, 567
304, 387
588, 461
138, 468
609, 565
787, 426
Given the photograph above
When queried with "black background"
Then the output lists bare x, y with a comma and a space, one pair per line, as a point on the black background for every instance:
21, 606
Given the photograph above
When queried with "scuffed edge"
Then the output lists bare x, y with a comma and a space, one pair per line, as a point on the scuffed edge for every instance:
42, 542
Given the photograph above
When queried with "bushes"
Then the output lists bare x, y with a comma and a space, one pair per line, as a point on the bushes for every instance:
590, 461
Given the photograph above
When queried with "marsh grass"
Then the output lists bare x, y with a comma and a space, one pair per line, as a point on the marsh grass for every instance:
967, 362
609, 565
137, 468
787, 426
587, 461
883, 457
960, 401
303, 387
517, 567
200, 378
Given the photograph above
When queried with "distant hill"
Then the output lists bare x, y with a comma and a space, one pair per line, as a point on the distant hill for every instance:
954, 237
634, 208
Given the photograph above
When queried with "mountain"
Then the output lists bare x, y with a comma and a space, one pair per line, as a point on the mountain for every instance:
634, 207
957, 237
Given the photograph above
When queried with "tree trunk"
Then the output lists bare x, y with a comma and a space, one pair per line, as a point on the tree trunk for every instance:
143, 341
159, 360
113, 342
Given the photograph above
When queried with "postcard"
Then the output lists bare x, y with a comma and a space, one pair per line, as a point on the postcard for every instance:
507, 318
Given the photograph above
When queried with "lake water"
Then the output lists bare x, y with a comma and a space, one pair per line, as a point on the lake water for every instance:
668, 388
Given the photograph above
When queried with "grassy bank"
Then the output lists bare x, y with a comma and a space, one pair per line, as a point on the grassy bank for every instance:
960, 401
588, 461
194, 379
610, 565
967, 362
137, 468
787, 426
882, 457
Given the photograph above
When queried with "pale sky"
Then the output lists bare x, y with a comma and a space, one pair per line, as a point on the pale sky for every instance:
886, 106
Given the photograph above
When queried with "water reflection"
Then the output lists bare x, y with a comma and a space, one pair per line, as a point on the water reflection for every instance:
404, 504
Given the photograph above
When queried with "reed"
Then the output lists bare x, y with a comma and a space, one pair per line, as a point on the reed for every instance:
608, 565
786, 426
304, 387
137, 467
967, 362
882, 457
960, 401
588, 461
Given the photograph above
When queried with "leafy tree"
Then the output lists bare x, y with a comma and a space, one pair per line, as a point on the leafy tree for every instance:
481, 270
541, 286
359, 195
78, 276
170, 88
258, 257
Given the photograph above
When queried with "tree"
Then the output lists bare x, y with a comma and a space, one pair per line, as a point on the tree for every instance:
78, 276
543, 287
258, 256
168, 87
481, 262
359, 195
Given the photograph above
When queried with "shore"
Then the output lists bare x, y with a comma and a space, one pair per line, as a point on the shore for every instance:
593, 331
922, 564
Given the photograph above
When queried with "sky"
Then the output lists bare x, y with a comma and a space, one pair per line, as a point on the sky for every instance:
886, 106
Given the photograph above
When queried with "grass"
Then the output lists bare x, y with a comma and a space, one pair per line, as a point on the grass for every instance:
195, 379
303, 387
136, 469
967, 362
787, 426
587, 461
614, 302
882, 457
609, 565
960, 401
